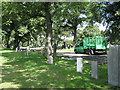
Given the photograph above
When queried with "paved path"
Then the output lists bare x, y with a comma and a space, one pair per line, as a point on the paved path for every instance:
23, 49
101, 58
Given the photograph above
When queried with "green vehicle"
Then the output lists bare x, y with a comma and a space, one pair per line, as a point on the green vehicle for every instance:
91, 45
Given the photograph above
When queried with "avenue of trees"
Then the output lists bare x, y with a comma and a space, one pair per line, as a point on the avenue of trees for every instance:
42, 24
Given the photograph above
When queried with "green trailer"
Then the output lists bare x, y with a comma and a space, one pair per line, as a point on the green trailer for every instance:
91, 45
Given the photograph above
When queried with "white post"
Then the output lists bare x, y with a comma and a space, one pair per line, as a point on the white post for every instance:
28, 50
107, 52
79, 64
16, 49
113, 59
94, 67
50, 58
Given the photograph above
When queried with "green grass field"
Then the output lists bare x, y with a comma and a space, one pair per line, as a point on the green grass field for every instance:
33, 71
66, 50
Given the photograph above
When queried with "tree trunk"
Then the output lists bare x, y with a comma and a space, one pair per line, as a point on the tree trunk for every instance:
28, 43
48, 47
74, 41
41, 43
22, 44
8, 38
75, 31
16, 43
55, 48
64, 45
8, 46
19, 45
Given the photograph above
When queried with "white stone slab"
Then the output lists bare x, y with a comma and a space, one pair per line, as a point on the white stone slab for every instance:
27, 53
114, 65
94, 69
16, 49
50, 58
79, 64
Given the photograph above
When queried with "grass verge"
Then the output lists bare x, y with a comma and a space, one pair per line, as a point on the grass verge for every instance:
66, 50
33, 71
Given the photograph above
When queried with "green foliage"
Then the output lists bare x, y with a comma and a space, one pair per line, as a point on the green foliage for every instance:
89, 31
70, 41
22, 30
93, 13
112, 16
21, 21
1, 36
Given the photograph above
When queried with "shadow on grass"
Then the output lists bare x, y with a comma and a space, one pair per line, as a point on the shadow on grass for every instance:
6, 49
33, 71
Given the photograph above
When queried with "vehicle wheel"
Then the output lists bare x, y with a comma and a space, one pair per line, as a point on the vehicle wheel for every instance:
75, 51
91, 52
94, 52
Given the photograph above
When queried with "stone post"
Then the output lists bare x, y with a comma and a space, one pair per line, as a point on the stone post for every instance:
28, 50
114, 65
79, 64
94, 69
50, 58
16, 49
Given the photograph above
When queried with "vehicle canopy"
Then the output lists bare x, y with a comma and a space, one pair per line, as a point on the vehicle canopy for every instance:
94, 42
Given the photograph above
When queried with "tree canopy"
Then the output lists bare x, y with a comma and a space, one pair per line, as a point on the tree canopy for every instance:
112, 19
45, 23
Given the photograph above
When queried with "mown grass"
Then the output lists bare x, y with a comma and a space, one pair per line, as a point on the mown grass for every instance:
33, 71
66, 50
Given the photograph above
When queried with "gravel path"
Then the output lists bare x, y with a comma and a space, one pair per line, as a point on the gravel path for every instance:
101, 58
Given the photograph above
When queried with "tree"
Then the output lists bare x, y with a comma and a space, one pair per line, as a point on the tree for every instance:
48, 48
72, 14
76, 13
19, 16
111, 14
9, 23
91, 31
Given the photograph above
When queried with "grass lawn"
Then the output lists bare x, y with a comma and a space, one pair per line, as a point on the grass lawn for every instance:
66, 50
33, 71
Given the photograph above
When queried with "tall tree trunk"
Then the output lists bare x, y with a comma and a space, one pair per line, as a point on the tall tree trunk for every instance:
8, 38
17, 40
64, 45
28, 42
48, 47
75, 30
16, 43
8, 45
9, 34
41, 43
22, 44
55, 48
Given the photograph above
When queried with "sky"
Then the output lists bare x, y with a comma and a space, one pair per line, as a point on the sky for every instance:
101, 27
